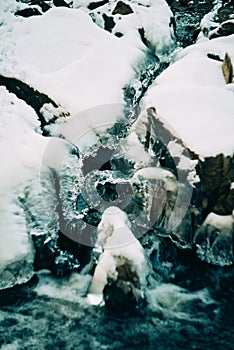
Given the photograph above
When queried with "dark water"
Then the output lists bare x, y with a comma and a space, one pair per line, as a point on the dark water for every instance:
198, 317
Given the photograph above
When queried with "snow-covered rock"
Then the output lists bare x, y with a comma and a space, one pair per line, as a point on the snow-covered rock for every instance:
214, 239
122, 260
144, 24
198, 96
218, 22
65, 55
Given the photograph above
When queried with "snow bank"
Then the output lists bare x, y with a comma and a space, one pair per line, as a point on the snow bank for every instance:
193, 98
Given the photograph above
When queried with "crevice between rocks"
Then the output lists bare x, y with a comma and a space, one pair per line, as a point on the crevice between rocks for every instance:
33, 98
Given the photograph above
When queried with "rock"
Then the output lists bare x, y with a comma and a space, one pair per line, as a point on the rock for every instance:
225, 12
214, 239
28, 12
225, 29
217, 175
118, 34
43, 5
227, 67
122, 9
61, 3
214, 57
122, 268
32, 97
123, 296
94, 5
219, 22
109, 22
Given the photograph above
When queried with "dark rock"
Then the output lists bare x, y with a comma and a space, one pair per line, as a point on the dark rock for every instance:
227, 68
225, 12
44, 6
123, 296
225, 29
118, 34
214, 57
94, 5
32, 97
61, 3
29, 12
109, 22
145, 41
217, 174
122, 9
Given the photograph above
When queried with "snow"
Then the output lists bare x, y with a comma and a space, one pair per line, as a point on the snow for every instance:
88, 127
118, 244
153, 16
201, 104
223, 223
132, 149
65, 55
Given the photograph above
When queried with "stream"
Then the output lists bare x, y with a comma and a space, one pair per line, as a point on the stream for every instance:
189, 304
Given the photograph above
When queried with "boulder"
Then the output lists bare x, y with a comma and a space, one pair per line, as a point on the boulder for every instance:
122, 9
226, 28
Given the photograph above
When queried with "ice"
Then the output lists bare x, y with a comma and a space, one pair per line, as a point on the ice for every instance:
28, 194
